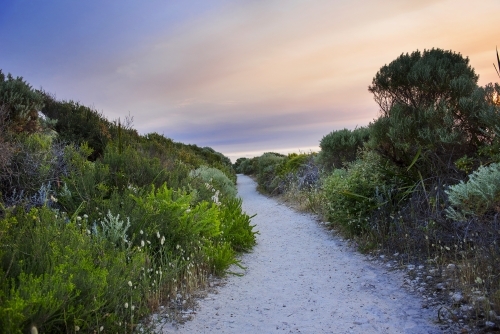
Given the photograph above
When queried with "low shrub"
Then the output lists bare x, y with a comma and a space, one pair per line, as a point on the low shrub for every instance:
268, 165
209, 182
350, 194
58, 276
341, 146
477, 197
246, 167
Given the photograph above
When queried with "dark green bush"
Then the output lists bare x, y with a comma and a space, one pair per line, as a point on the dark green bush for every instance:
57, 275
78, 124
267, 169
341, 146
246, 166
20, 103
431, 109
292, 163
350, 194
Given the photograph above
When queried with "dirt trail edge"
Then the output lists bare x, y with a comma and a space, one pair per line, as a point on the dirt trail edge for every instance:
302, 279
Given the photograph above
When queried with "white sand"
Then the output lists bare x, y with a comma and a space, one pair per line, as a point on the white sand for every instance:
302, 279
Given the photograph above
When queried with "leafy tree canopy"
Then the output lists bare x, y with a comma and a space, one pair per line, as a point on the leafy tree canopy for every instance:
432, 109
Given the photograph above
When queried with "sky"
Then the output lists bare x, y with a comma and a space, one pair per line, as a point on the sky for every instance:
242, 76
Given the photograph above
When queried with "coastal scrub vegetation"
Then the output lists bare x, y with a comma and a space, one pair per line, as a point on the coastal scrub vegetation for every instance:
422, 179
99, 225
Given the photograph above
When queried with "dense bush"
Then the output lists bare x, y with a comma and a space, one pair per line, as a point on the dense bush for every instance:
20, 103
437, 123
267, 168
211, 182
78, 124
350, 194
100, 225
478, 197
245, 166
341, 146
58, 276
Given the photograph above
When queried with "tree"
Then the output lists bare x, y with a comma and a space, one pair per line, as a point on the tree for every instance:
421, 80
431, 109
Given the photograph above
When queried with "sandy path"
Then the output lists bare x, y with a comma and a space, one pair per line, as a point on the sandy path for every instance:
301, 279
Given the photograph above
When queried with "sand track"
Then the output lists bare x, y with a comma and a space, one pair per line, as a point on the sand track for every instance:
302, 279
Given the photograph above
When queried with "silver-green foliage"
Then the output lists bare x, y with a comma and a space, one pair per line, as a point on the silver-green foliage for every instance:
114, 229
476, 197
215, 178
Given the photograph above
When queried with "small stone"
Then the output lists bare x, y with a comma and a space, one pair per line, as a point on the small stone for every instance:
492, 314
451, 267
396, 254
440, 286
420, 267
466, 308
410, 267
457, 297
481, 299
489, 324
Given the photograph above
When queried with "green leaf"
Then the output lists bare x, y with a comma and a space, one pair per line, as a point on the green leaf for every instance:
415, 159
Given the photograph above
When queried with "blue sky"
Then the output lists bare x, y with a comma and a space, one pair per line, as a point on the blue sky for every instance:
243, 77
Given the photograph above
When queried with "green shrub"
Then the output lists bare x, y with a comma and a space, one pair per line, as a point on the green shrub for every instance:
350, 194
201, 231
292, 163
267, 169
21, 103
34, 170
127, 166
87, 183
235, 226
341, 146
246, 167
114, 230
435, 123
236, 165
209, 182
477, 197
58, 276
78, 124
